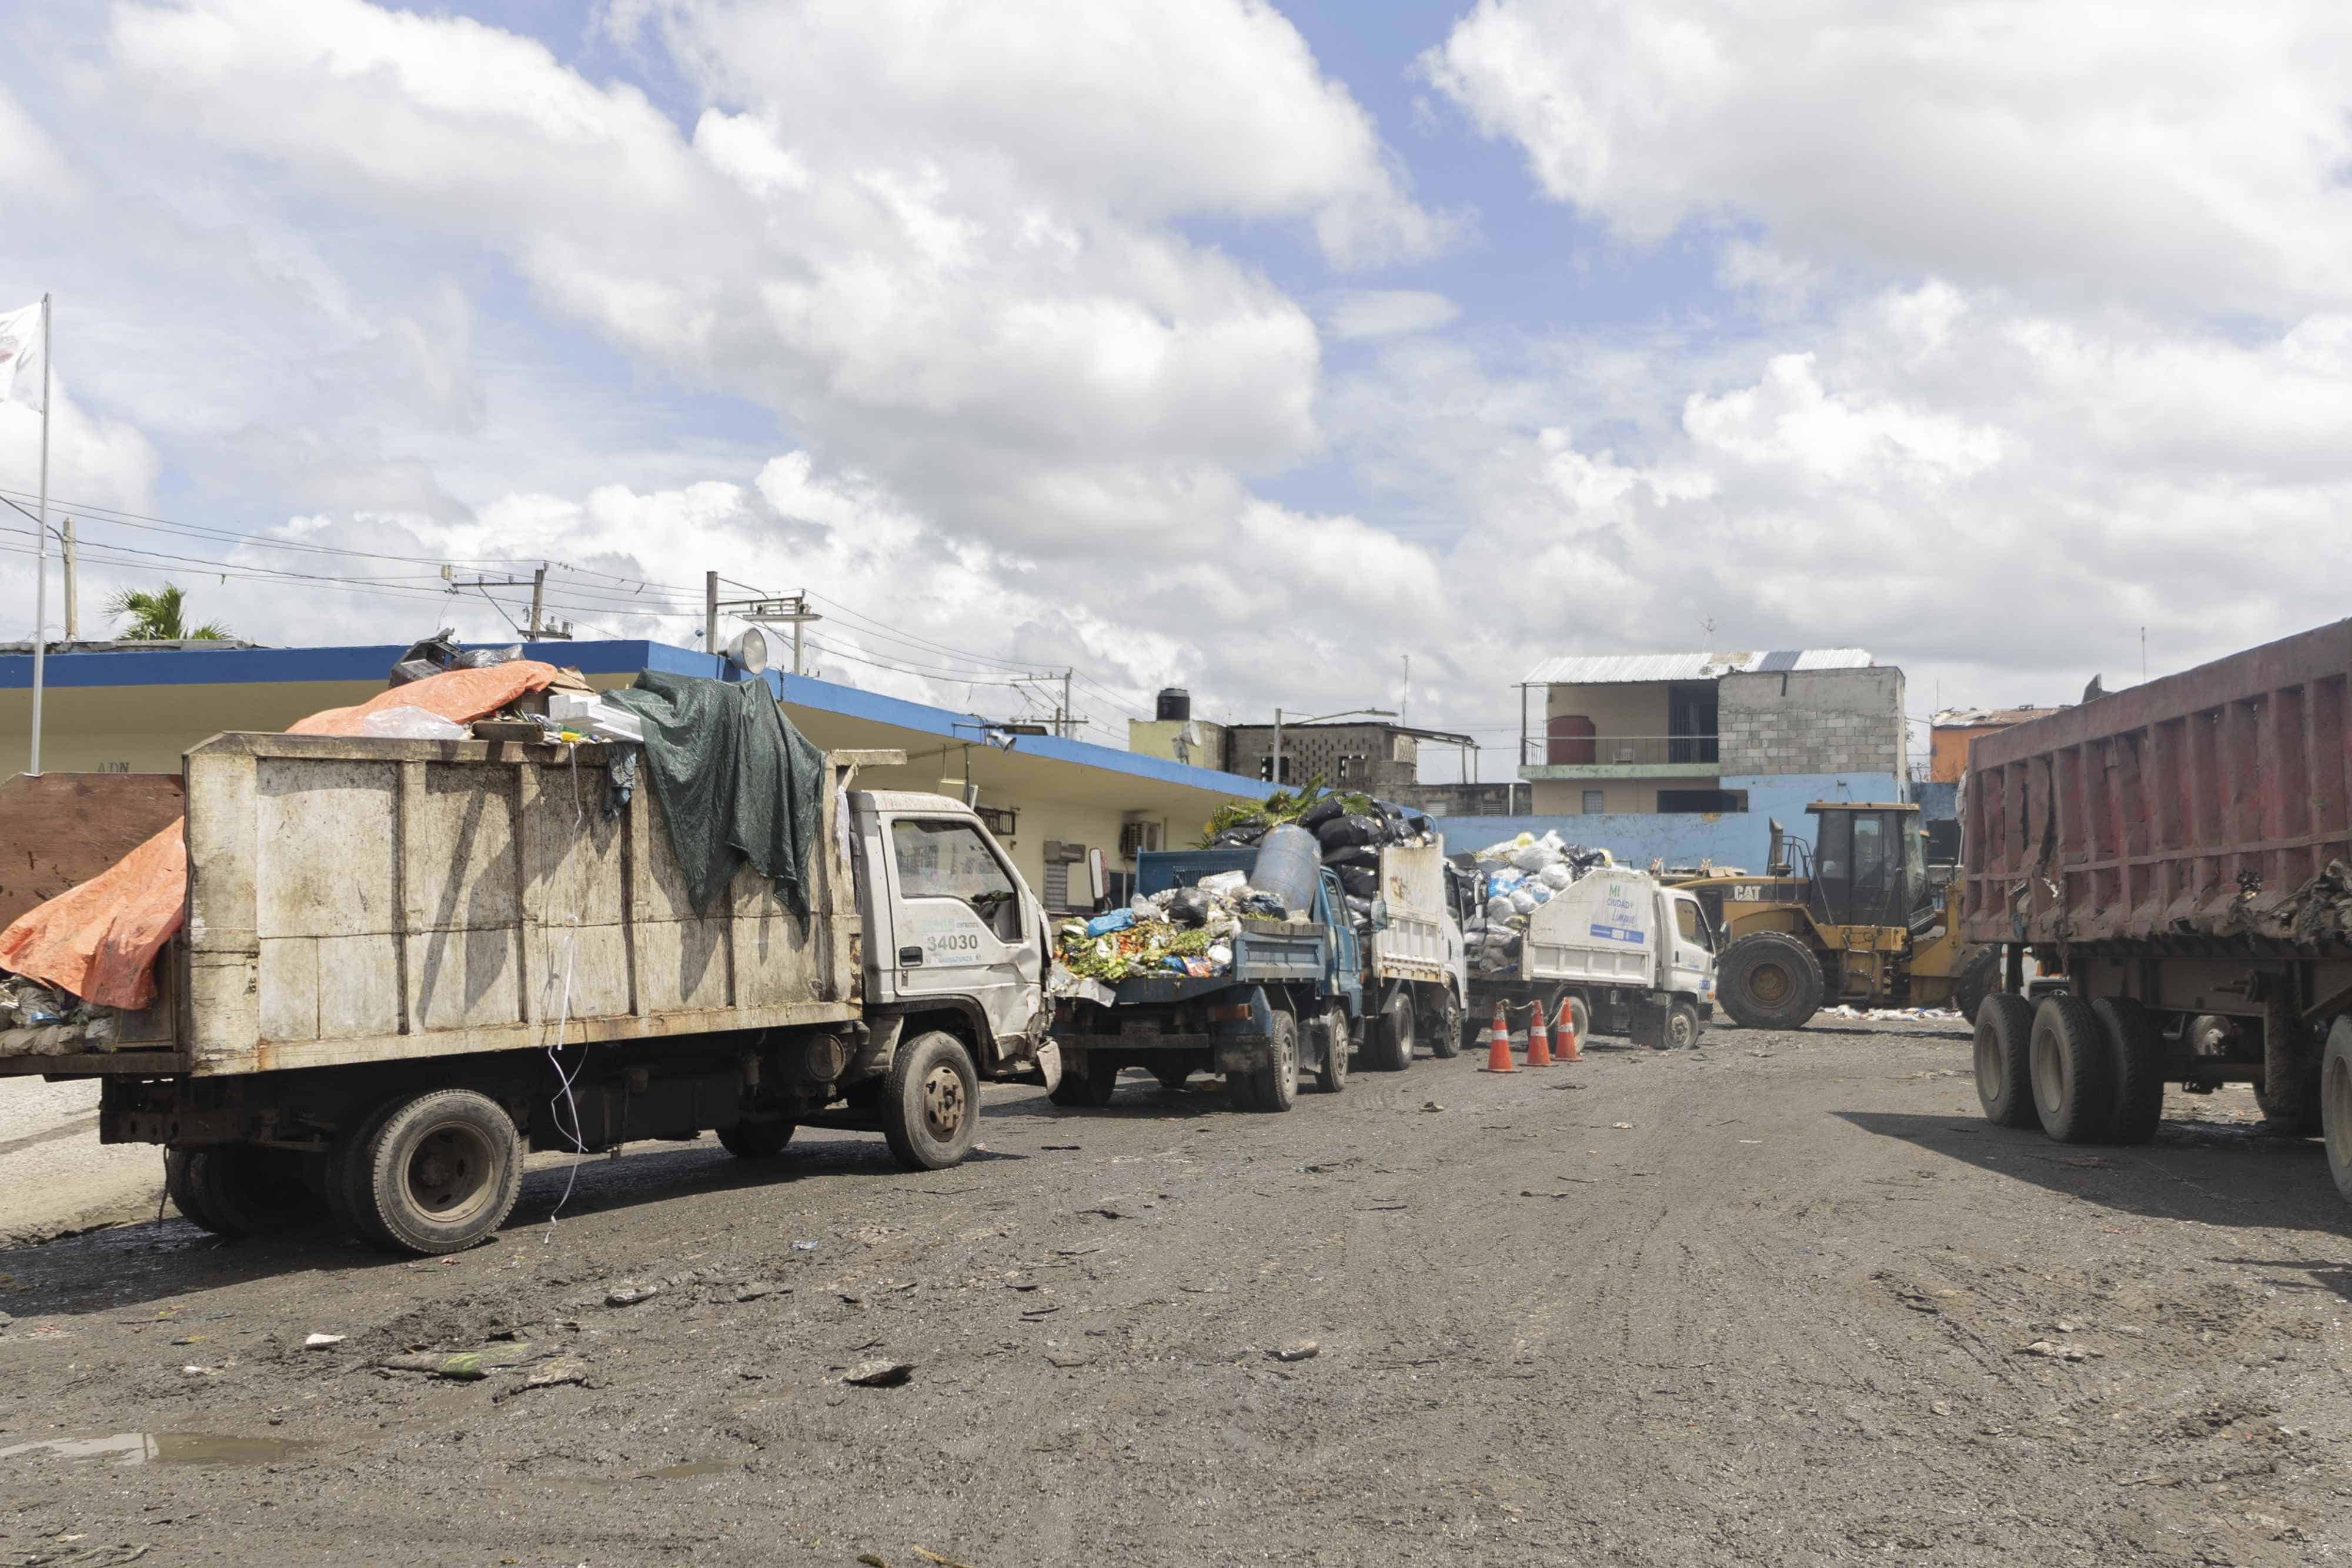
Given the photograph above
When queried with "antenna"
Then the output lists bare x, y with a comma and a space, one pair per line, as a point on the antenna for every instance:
2143, 655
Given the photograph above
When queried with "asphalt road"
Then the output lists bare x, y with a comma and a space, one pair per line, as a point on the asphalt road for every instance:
1769, 1301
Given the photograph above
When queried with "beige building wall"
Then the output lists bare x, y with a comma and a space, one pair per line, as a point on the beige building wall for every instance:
1637, 709
1157, 737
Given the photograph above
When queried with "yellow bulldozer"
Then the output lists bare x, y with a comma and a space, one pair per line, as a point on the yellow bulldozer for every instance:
1849, 918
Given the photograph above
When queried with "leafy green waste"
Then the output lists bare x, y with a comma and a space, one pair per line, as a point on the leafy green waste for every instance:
1282, 806
1137, 949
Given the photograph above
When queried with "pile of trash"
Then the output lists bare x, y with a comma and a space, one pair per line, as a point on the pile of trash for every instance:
1182, 931
42, 1020
1521, 875
1351, 829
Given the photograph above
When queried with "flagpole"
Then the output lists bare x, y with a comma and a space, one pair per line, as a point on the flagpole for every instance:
41, 531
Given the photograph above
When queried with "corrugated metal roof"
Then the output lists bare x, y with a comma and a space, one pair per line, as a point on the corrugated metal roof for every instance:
1976, 718
1625, 669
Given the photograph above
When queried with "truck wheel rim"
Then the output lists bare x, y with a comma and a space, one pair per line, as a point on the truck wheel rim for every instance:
450, 1172
2049, 1071
1769, 984
1988, 1068
2336, 1113
943, 1103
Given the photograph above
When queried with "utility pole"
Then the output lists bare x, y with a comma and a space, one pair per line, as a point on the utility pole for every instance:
793, 608
73, 626
710, 613
537, 597
1072, 712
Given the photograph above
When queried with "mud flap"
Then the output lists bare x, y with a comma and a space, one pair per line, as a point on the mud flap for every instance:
1049, 1064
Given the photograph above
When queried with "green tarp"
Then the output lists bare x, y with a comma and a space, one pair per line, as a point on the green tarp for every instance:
736, 780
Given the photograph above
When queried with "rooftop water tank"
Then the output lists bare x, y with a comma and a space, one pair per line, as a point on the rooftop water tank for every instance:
1175, 704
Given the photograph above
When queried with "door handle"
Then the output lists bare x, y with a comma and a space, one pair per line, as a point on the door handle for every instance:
909, 956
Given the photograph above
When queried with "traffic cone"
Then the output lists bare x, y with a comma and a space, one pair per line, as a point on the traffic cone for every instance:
1498, 1053
1568, 1048
1538, 1039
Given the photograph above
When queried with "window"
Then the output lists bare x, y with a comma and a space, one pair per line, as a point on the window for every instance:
1686, 920
950, 860
1289, 766
1707, 800
1354, 765
1871, 867
1595, 802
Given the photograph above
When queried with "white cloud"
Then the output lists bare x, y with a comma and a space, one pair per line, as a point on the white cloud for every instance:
2188, 154
1390, 313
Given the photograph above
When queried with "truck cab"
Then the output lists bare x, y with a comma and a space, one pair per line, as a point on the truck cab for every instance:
950, 926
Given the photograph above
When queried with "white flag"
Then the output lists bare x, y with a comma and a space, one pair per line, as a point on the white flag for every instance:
20, 355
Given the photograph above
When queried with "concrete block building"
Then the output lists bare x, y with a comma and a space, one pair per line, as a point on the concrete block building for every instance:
1685, 757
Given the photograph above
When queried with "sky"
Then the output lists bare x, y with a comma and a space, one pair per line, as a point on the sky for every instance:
1255, 349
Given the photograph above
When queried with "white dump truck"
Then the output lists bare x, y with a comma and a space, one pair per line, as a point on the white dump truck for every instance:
1416, 980
1631, 957
406, 962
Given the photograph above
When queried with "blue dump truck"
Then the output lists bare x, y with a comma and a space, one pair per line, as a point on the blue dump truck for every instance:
1292, 999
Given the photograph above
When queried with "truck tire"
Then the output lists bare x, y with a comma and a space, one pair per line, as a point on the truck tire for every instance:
179, 1182
1334, 1045
1682, 1027
931, 1106
1978, 979
1580, 1013
236, 1189
441, 1170
1273, 1086
1172, 1078
1445, 1028
2073, 1074
1391, 1035
1768, 981
2004, 1061
756, 1140
2335, 1103
1089, 1090
2288, 1088
2138, 1051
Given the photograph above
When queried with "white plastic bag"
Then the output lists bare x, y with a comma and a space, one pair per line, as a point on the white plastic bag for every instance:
1556, 876
1499, 907
412, 723
1523, 902
1224, 884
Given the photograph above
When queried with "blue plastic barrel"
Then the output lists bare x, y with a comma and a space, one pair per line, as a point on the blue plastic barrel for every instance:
1288, 861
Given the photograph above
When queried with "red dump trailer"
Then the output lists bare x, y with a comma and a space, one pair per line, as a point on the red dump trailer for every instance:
2178, 851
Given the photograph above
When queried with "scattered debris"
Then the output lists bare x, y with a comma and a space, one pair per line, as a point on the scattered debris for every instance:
2051, 1351
757, 1290
1301, 1350
630, 1295
879, 1373
931, 1556
1067, 1358
321, 1341
804, 1246
469, 1366
1623, 1126
1430, 1105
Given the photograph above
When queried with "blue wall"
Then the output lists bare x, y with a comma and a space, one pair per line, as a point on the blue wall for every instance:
1735, 838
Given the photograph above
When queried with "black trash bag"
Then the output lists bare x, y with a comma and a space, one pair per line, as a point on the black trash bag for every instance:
1265, 906
1349, 832
1360, 881
1341, 860
1418, 823
1322, 811
483, 658
1189, 907
1242, 835
1393, 822
433, 654
1360, 908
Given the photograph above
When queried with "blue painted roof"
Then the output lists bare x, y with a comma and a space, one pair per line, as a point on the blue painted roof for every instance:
238, 666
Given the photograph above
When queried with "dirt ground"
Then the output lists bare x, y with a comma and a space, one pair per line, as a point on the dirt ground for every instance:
1775, 1301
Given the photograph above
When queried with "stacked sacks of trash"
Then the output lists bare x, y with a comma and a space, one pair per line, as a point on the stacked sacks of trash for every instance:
1521, 875
1182, 931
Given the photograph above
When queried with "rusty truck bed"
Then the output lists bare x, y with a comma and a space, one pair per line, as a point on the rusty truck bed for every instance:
2207, 805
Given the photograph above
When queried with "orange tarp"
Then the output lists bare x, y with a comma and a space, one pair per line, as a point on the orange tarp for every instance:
98, 941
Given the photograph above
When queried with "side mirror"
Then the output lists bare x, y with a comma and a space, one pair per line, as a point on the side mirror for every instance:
1380, 915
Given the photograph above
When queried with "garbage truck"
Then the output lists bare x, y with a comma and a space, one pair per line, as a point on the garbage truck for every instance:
2178, 852
406, 962
1631, 957
1416, 975
1291, 1000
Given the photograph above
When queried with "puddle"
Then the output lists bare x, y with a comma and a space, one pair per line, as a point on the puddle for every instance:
163, 1448
679, 1472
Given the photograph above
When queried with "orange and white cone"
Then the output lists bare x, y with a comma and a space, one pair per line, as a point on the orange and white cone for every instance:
1568, 1045
1538, 1039
1498, 1052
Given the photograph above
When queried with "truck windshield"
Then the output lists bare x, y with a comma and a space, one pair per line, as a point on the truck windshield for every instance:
950, 860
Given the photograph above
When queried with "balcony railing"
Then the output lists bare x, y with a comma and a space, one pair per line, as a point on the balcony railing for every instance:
1619, 751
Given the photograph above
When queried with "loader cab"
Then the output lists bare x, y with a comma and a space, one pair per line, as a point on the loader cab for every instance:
1869, 863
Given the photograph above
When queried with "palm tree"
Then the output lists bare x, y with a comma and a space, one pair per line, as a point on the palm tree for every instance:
159, 617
